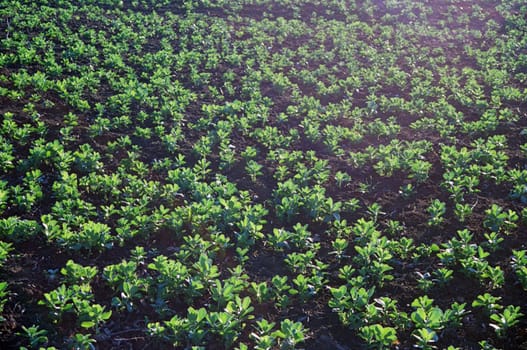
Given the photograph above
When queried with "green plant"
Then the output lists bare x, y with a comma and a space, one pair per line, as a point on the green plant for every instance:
74, 273
506, 319
425, 338
443, 276
290, 334
92, 235
131, 291
171, 279
59, 301
395, 228
3, 298
496, 219
495, 275
436, 210
228, 324
519, 264
378, 336
349, 303
489, 302
279, 239
406, 191
342, 178
424, 282
453, 316
222, 293
16, 229
37, 337
431, 318
374, 210
81, 342
339, 245
462, 211
249, 146
5, 249
264, 337
493, 240
91, 315
303, 287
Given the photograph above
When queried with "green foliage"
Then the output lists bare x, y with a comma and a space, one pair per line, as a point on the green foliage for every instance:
74, 273
253, 169
92, 235
488, 302
349, 303
4, 293
5, 249
276, 160
379, 336
36, 336
502, 321
81, 341
436, 210
519, 264
16, 229
290, 334
496, 219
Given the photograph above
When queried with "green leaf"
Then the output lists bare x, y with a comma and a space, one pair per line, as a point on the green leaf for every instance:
88, 324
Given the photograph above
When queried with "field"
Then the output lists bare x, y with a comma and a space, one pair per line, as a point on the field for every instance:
263, 174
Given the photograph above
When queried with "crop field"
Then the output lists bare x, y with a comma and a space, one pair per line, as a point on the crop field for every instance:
263, 174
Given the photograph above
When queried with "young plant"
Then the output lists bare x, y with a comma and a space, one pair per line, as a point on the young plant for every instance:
342, 178
494, 240
339, 247
394, 228
374, 210
303, 288
81, 341
505, 320
280, 289
261, 291
488, 302
431, 318
424, 282
74, 273
453, 317
425, 338
462, 211
496, 219
290, 334
37, 337
443, 276
495, 275
350, 303
222, 293
406, 191
519, 265
436, 210
263, 337
378, 336
92, 235
3, 298
91, 315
